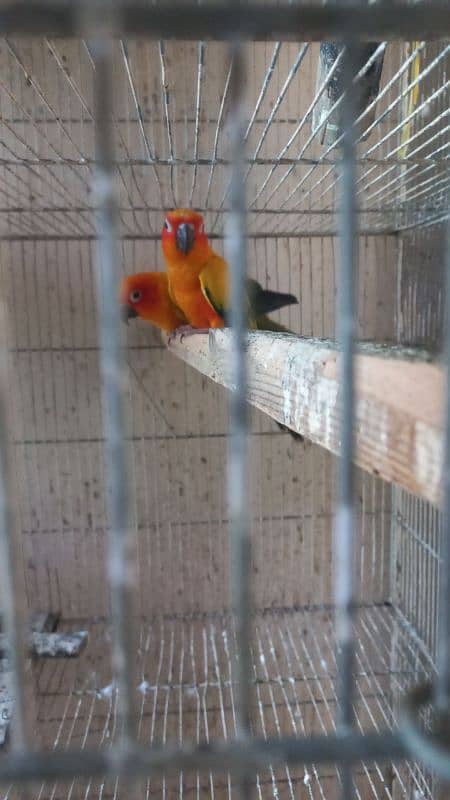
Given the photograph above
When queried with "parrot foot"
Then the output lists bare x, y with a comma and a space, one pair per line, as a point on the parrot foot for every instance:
185, 330
188, 330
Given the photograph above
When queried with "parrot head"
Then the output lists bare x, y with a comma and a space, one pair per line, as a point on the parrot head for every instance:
138, 296
146, 295
183, 237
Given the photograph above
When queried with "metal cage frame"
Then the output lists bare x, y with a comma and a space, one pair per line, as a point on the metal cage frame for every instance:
243, 756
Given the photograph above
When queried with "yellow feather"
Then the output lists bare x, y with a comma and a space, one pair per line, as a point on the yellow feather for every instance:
215, 285
413, 97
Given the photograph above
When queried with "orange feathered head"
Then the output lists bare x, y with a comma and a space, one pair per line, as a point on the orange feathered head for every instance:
146, 295
183, 235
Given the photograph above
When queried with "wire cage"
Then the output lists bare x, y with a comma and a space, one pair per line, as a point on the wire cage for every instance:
235, 648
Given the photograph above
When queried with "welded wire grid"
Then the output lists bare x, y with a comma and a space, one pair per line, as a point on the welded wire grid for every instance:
186, 694
173, 153
171, 119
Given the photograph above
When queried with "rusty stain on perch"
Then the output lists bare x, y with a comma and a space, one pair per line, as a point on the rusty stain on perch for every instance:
399, 405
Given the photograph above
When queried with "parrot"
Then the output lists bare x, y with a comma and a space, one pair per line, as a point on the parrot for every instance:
199, 279
146, 295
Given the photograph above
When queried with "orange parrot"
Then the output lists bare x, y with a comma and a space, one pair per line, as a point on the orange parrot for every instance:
199, 278
146, 295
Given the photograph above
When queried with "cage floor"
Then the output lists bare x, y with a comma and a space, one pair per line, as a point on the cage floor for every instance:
186, 694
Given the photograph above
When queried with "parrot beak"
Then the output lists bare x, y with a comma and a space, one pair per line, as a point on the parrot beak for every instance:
127, 313
185, 238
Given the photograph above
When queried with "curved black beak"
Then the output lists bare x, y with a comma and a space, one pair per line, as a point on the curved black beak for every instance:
185, 237
127, 313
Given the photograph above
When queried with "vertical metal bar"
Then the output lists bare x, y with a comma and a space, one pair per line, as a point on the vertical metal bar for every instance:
9, 567
235, 249
119, 555
442, 688
220, 117
198, 106
168, 122
343, 538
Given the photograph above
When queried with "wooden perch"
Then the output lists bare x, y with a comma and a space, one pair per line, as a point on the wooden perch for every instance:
398, 420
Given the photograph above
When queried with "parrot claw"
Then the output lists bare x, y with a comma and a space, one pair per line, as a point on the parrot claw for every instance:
186, 330
192, 332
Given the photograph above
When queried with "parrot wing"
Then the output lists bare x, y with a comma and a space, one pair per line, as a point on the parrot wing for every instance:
214, 283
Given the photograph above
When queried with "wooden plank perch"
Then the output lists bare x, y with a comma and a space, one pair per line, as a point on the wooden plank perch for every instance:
398, 419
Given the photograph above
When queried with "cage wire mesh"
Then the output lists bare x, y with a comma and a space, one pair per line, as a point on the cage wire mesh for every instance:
173, 134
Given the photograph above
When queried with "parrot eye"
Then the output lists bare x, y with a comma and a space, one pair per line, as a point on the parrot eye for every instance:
167, 226
135, 296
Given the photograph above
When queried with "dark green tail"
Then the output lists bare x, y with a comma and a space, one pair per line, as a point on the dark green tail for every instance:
266, 324
263, 301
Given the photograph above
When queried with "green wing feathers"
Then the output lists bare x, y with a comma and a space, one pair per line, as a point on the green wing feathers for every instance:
214, 281
214, 284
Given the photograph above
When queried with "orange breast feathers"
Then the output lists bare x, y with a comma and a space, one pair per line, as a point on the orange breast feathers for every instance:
146, 295
187, 252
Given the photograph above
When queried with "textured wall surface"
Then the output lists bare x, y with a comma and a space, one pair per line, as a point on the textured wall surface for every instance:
177, 421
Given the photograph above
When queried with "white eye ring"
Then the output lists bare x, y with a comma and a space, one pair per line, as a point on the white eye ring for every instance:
135, 296
168, 226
